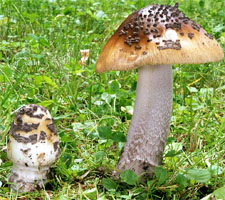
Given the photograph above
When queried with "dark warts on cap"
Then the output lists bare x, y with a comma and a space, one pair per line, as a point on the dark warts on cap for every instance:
42, 136
146, 24
52, 128
25, 127
56, 145
31, 139
169, 44
31, 110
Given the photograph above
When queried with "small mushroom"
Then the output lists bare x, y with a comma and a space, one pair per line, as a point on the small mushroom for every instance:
173, 39
33, 147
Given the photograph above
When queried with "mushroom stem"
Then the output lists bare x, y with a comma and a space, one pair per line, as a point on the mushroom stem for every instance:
149, 127
24, 177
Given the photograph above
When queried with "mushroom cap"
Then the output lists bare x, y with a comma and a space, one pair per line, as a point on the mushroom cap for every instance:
158, 34
33, 140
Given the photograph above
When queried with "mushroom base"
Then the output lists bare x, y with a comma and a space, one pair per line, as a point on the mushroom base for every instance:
150, 123
26, 179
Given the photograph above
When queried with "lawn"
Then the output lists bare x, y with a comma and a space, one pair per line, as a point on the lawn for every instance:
41, 62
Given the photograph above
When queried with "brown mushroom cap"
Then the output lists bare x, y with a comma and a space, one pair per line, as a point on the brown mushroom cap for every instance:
158, 34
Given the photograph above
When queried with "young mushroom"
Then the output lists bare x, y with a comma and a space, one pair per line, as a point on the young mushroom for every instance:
33, 147
152, 39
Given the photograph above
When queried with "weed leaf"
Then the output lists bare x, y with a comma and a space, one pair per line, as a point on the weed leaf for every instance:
109, 184
118, 137
198, 175
104, 132
161, 175
220, 193
129, 177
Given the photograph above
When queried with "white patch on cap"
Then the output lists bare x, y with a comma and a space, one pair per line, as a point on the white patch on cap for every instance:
39, 111
144, 11
171, 35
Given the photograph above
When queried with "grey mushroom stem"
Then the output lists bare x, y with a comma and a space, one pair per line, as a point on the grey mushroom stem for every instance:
150, 124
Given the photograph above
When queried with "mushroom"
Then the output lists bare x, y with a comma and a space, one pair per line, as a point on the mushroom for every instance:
152, 39
33, 147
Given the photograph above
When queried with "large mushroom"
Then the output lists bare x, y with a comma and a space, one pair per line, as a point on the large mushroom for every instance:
33, 147
152, 39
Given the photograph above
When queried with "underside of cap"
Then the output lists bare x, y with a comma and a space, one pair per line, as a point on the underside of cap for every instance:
158, 34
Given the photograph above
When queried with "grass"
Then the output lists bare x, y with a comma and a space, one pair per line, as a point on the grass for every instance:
40, 63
